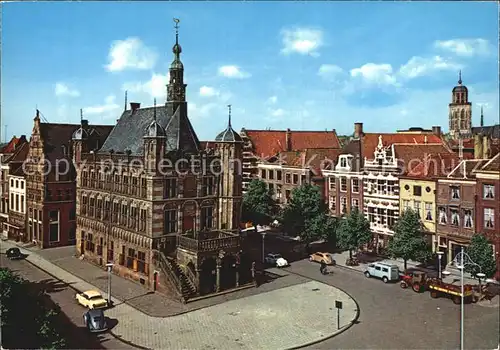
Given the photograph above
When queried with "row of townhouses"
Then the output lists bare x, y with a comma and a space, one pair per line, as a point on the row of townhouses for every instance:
147, 196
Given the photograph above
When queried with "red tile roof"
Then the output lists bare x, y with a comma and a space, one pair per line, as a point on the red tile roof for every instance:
434, 165
409, 156
267, 143
12, 144
315, 159
370, 140
492, 165
467, 168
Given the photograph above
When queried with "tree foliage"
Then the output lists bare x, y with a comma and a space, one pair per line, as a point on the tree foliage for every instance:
481, 252
259, 206
408, 242
321, 226
353, 231
302, 211
28, 322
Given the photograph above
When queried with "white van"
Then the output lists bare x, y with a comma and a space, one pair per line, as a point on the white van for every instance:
387, 272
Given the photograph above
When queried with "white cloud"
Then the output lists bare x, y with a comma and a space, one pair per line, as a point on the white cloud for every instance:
277, 112
304, 41
62, 89
329, 70
156, 87
231, 71
418, 66
380, 74
208, 91
272, 100
201, 111
465, 47
107, 108
130, 53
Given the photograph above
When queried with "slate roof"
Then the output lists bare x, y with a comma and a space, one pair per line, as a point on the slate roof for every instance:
492, 131
228, 135
129, 132
267, 143
57, 135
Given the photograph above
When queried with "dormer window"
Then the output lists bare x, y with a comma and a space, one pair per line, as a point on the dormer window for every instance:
343, 162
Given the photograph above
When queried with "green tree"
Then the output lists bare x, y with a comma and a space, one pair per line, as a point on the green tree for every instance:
481, 253
259, 206
353, 232
27, 319
305, 205
408, 241
321, 226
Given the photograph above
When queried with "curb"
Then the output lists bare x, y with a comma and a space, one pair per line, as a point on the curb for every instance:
79, 291
339, 331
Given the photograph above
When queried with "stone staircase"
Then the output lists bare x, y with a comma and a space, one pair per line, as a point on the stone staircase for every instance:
187, 287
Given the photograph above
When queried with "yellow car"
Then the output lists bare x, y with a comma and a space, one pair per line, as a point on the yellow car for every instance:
91, 299
322, 257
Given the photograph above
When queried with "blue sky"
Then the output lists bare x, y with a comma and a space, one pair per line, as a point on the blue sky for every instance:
298, 65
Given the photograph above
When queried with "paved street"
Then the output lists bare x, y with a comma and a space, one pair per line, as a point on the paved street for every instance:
279, 319
64, 295
393, 318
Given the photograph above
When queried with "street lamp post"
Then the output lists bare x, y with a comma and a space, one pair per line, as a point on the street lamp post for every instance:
110, 267
263, 233
461, 260
440, 256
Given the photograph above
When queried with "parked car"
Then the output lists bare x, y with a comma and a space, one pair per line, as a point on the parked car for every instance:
322, 257
14, 253
95, 321
91, 299
387, 272
276, 260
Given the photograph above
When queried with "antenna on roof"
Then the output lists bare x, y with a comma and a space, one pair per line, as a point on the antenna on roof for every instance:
43, 117
125, 107
5, 133
482, 116
81, 115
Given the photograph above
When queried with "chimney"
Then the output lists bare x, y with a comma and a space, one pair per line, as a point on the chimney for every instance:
85, 122
288, 140
486, 147
358, 130
436, 130
134, 106
478, 147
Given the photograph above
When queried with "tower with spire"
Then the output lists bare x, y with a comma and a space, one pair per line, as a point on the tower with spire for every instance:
176, 89
460, 111
229, 148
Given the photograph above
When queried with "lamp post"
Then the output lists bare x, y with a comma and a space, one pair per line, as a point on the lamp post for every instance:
440, 256
263, 233
461, 260
110, 267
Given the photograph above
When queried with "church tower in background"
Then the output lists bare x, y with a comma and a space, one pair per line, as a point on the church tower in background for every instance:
460, 110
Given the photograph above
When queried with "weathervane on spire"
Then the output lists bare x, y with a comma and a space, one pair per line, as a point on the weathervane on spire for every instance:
460, 77
176, 26
229, 108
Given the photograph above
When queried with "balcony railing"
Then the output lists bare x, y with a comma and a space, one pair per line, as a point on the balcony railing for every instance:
208, 245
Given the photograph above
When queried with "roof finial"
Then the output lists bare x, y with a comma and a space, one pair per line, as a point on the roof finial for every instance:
81, 115
176, 26
125, 107
154, 110
229, 122
482, 117
460, 77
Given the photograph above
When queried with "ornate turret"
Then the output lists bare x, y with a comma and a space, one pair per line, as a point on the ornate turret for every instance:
228, 135
155, 129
